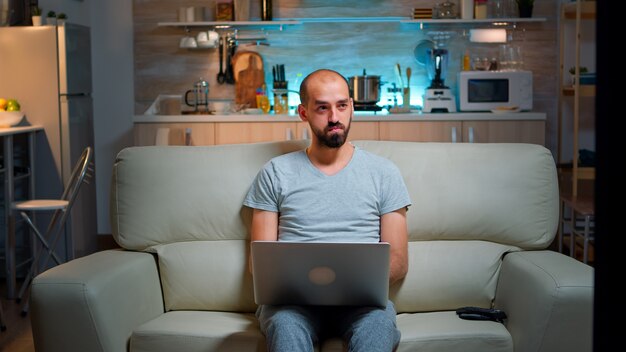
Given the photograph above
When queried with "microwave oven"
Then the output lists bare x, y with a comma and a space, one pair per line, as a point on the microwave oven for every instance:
488, 90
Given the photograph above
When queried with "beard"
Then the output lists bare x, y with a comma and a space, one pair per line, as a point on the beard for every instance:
335, 139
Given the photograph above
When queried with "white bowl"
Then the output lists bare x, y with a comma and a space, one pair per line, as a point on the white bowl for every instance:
10, 118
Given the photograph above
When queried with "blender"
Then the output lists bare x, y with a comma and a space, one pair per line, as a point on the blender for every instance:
438, 97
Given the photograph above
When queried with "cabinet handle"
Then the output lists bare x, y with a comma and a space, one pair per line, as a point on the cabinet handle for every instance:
470, 134
162, 136
453, 135
288, 134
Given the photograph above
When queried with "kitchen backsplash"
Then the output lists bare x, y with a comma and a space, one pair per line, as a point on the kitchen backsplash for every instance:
161, 67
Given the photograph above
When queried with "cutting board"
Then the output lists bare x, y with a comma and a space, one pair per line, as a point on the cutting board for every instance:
249, 76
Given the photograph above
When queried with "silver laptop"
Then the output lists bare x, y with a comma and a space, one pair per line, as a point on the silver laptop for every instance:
320, 273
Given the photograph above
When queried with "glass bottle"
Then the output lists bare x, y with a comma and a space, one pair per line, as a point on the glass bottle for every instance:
266, 10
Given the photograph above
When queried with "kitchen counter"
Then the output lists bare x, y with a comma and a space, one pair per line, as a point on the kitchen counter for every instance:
358, 116
169, 103
226, 128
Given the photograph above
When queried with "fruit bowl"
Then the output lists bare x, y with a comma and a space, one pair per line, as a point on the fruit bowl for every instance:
10, 118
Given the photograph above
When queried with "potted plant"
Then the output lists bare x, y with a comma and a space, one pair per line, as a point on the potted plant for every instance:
572, 72
61, 18
525, 8
51, 18
36, 15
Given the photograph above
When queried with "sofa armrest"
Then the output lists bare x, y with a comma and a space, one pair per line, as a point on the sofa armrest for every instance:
93, 303
548, 298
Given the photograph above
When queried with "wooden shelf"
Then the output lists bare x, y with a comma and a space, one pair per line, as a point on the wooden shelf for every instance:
348, 19
495, 21
586, 90
298, 21
575, 10
230, 24
588, 10
584, 173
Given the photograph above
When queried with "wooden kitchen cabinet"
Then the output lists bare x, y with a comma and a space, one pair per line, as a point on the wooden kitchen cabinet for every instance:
465, 131
468, 131
360, 130
504, 132
201, 133
420, 131
253, 132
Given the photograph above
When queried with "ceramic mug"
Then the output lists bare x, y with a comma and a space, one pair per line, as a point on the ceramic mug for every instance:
188, 42
207, 39
202, 37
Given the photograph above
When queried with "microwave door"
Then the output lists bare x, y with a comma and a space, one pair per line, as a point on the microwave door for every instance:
488, 91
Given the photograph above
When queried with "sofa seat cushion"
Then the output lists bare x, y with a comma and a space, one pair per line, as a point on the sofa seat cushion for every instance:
199, 331
223, 331
207, 331
445, 331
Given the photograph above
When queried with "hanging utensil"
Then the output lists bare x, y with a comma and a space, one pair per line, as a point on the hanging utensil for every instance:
221, 78
399, 76
408, 76
230, 52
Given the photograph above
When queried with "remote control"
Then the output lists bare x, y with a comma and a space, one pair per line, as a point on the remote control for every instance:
478, 313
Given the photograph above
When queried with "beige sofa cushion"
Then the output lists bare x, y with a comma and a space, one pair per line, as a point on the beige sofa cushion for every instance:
206, 275
171, 194
445, 275
505, 193
192, 331
445, 331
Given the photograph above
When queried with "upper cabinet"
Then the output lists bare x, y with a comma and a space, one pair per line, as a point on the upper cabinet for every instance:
577, 90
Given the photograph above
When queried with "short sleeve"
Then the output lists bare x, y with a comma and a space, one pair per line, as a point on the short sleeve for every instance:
394, 192
262, 193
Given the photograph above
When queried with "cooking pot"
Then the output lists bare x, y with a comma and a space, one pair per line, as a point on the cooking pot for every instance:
365, 89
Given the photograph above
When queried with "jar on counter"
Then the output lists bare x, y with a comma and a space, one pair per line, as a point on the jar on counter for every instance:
480, 9
466, 8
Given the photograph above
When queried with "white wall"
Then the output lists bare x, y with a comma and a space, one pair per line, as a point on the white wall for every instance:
112, 61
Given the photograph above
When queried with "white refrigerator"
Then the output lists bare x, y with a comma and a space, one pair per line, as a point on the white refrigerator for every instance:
48, 70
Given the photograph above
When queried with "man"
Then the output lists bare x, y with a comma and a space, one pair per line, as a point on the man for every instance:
332, 191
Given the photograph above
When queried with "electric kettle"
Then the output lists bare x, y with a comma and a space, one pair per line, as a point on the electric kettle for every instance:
199, 95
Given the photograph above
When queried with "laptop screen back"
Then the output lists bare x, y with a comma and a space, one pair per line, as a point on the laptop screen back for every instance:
320, 273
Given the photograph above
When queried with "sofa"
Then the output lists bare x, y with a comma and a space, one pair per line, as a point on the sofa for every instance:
482, 218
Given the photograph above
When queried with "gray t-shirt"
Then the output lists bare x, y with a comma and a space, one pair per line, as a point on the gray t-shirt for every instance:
314, 207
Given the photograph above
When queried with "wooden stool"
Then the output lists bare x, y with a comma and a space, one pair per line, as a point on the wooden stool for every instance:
580, 207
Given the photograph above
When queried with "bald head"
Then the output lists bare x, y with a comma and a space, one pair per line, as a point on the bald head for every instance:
321, 76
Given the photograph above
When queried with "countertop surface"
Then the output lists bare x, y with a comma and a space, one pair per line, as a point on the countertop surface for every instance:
165, 102
5, 131
358, 116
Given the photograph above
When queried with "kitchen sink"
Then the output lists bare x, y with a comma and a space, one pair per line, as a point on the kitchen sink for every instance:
172, 104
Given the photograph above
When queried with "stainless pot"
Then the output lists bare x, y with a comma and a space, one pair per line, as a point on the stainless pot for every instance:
365, 89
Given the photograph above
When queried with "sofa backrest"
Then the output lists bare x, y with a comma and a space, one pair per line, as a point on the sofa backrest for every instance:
499, 192
472, 203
